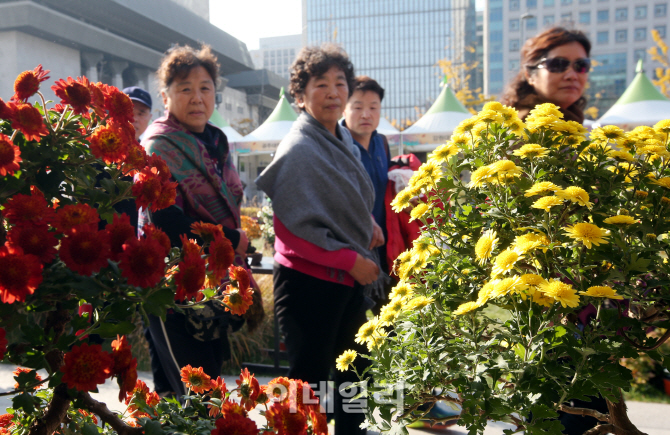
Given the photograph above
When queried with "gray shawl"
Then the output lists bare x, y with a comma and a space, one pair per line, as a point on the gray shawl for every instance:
319, 188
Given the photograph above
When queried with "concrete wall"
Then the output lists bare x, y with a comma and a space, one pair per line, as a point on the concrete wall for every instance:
199, 7
20, 52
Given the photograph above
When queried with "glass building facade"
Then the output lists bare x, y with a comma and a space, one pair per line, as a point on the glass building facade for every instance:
397, 42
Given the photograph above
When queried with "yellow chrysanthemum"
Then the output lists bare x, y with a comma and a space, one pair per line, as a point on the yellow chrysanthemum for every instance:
478, 130
485, 246
410, 267
505, 167
485, 293
664, 182
402, 290
588, 234
367, 330
443, 152
418, 302
546, 109
610, 133
345, 360
541, 298
621, 155
493, 105
430, 171
561, 292
531, 151
489, 116
510, 116
620, 220
466, 126
517, 126
663, 126
529, 242
641, 194
547, 202
466, 308
601, 291
575, 194
390, 312
506, 286
542, 188
402, 200
574, 128
377, 339
505, 262
480, 176
530, 283
460, 140
418, 211
424, 248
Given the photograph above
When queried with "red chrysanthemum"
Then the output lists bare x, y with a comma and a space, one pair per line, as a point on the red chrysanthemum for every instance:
19, 274
151, 232
167, 197
206, 230
28, 120
109, 144
319, 422
239, 277
3, 343
196, 379
76, 215
302, 396
125, 366
118, 104
5, 110
235, 425
28, 83
34, 209
248, 389
221, 256
97, 96
191, 276
88, 414
119, 231
159, 166
86, 366
35, 378
141, 391
218, 387
85, 251
136, 159
74, 93
138, 399
142, 262
10, 156
278, 388
147, 188
238, 301
34, 239
230, 407
285, 420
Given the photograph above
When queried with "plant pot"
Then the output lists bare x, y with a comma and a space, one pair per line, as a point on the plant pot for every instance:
256, 258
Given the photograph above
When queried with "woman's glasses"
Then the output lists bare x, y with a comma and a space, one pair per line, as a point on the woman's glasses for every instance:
560, 64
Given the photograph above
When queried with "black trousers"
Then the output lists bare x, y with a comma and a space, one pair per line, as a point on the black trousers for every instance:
319, 320
176, 341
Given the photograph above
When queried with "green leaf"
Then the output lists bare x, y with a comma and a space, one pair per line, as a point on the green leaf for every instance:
24, 401
153, 428
90, 429
108, 330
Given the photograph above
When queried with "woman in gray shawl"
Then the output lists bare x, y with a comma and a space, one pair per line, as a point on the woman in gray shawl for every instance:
322, 199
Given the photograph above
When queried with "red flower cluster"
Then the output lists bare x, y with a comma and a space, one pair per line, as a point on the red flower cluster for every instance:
295, 404
74, 93
10, 156
142, 260
140, 398
28, 83
239, 295
26, 119
153, 188
125, 366
190, 278
86, 366
20, 274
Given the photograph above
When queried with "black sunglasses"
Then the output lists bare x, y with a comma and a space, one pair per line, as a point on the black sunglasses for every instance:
560, 64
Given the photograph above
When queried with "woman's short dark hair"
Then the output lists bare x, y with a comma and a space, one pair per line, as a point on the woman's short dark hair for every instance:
180, 60
315, 62
365, 84
532, 52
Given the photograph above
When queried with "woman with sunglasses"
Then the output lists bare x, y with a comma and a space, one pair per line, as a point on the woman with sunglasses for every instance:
555, 68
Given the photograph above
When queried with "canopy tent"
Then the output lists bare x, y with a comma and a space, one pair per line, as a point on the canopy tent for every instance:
436, 126
388, 130
219, 121
641, 104
266, 138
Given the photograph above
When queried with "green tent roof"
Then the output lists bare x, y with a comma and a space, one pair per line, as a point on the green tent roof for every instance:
447, 102
283, 111
218, 120
641, 89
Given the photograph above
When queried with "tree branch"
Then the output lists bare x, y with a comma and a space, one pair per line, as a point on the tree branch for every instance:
55, 415
101, 410
585, 412
660, 342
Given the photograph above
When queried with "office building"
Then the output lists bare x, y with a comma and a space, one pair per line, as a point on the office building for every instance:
276, 54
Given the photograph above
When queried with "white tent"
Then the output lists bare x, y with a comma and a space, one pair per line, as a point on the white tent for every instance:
218, 120
388, 130
266, 138
435, 127
640, 104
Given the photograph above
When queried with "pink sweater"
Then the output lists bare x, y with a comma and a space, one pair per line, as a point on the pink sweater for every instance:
303, 256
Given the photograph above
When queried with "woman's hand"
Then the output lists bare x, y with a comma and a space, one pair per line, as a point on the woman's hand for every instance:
243, 243
377, 235
365, 271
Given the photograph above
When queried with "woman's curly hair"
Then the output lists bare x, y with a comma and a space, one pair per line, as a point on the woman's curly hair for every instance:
315, 62
180, 60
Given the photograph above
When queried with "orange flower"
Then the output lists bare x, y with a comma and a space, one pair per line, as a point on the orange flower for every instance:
76, 215
238, 301
28, 120
319, 422
118, 104
97, 97
235, 425
125, 366
86, 366
159, 166
221, 256
22, 209
167, 196
34, 239
282, 418
3, 344
139, 398
6, 420
195, 379
85, 251
239, 277
219, 390
142, 262
109, 144
230, 407
88, 414
191, 276
10, 156
151, 232
136, 159
119, 231
248, 389
147, 188
5, 110
33, 379
28, 83
278, 388
19, 274
74, 93
139, 392
207, 231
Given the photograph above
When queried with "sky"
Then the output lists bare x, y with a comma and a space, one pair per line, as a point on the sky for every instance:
249, 20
